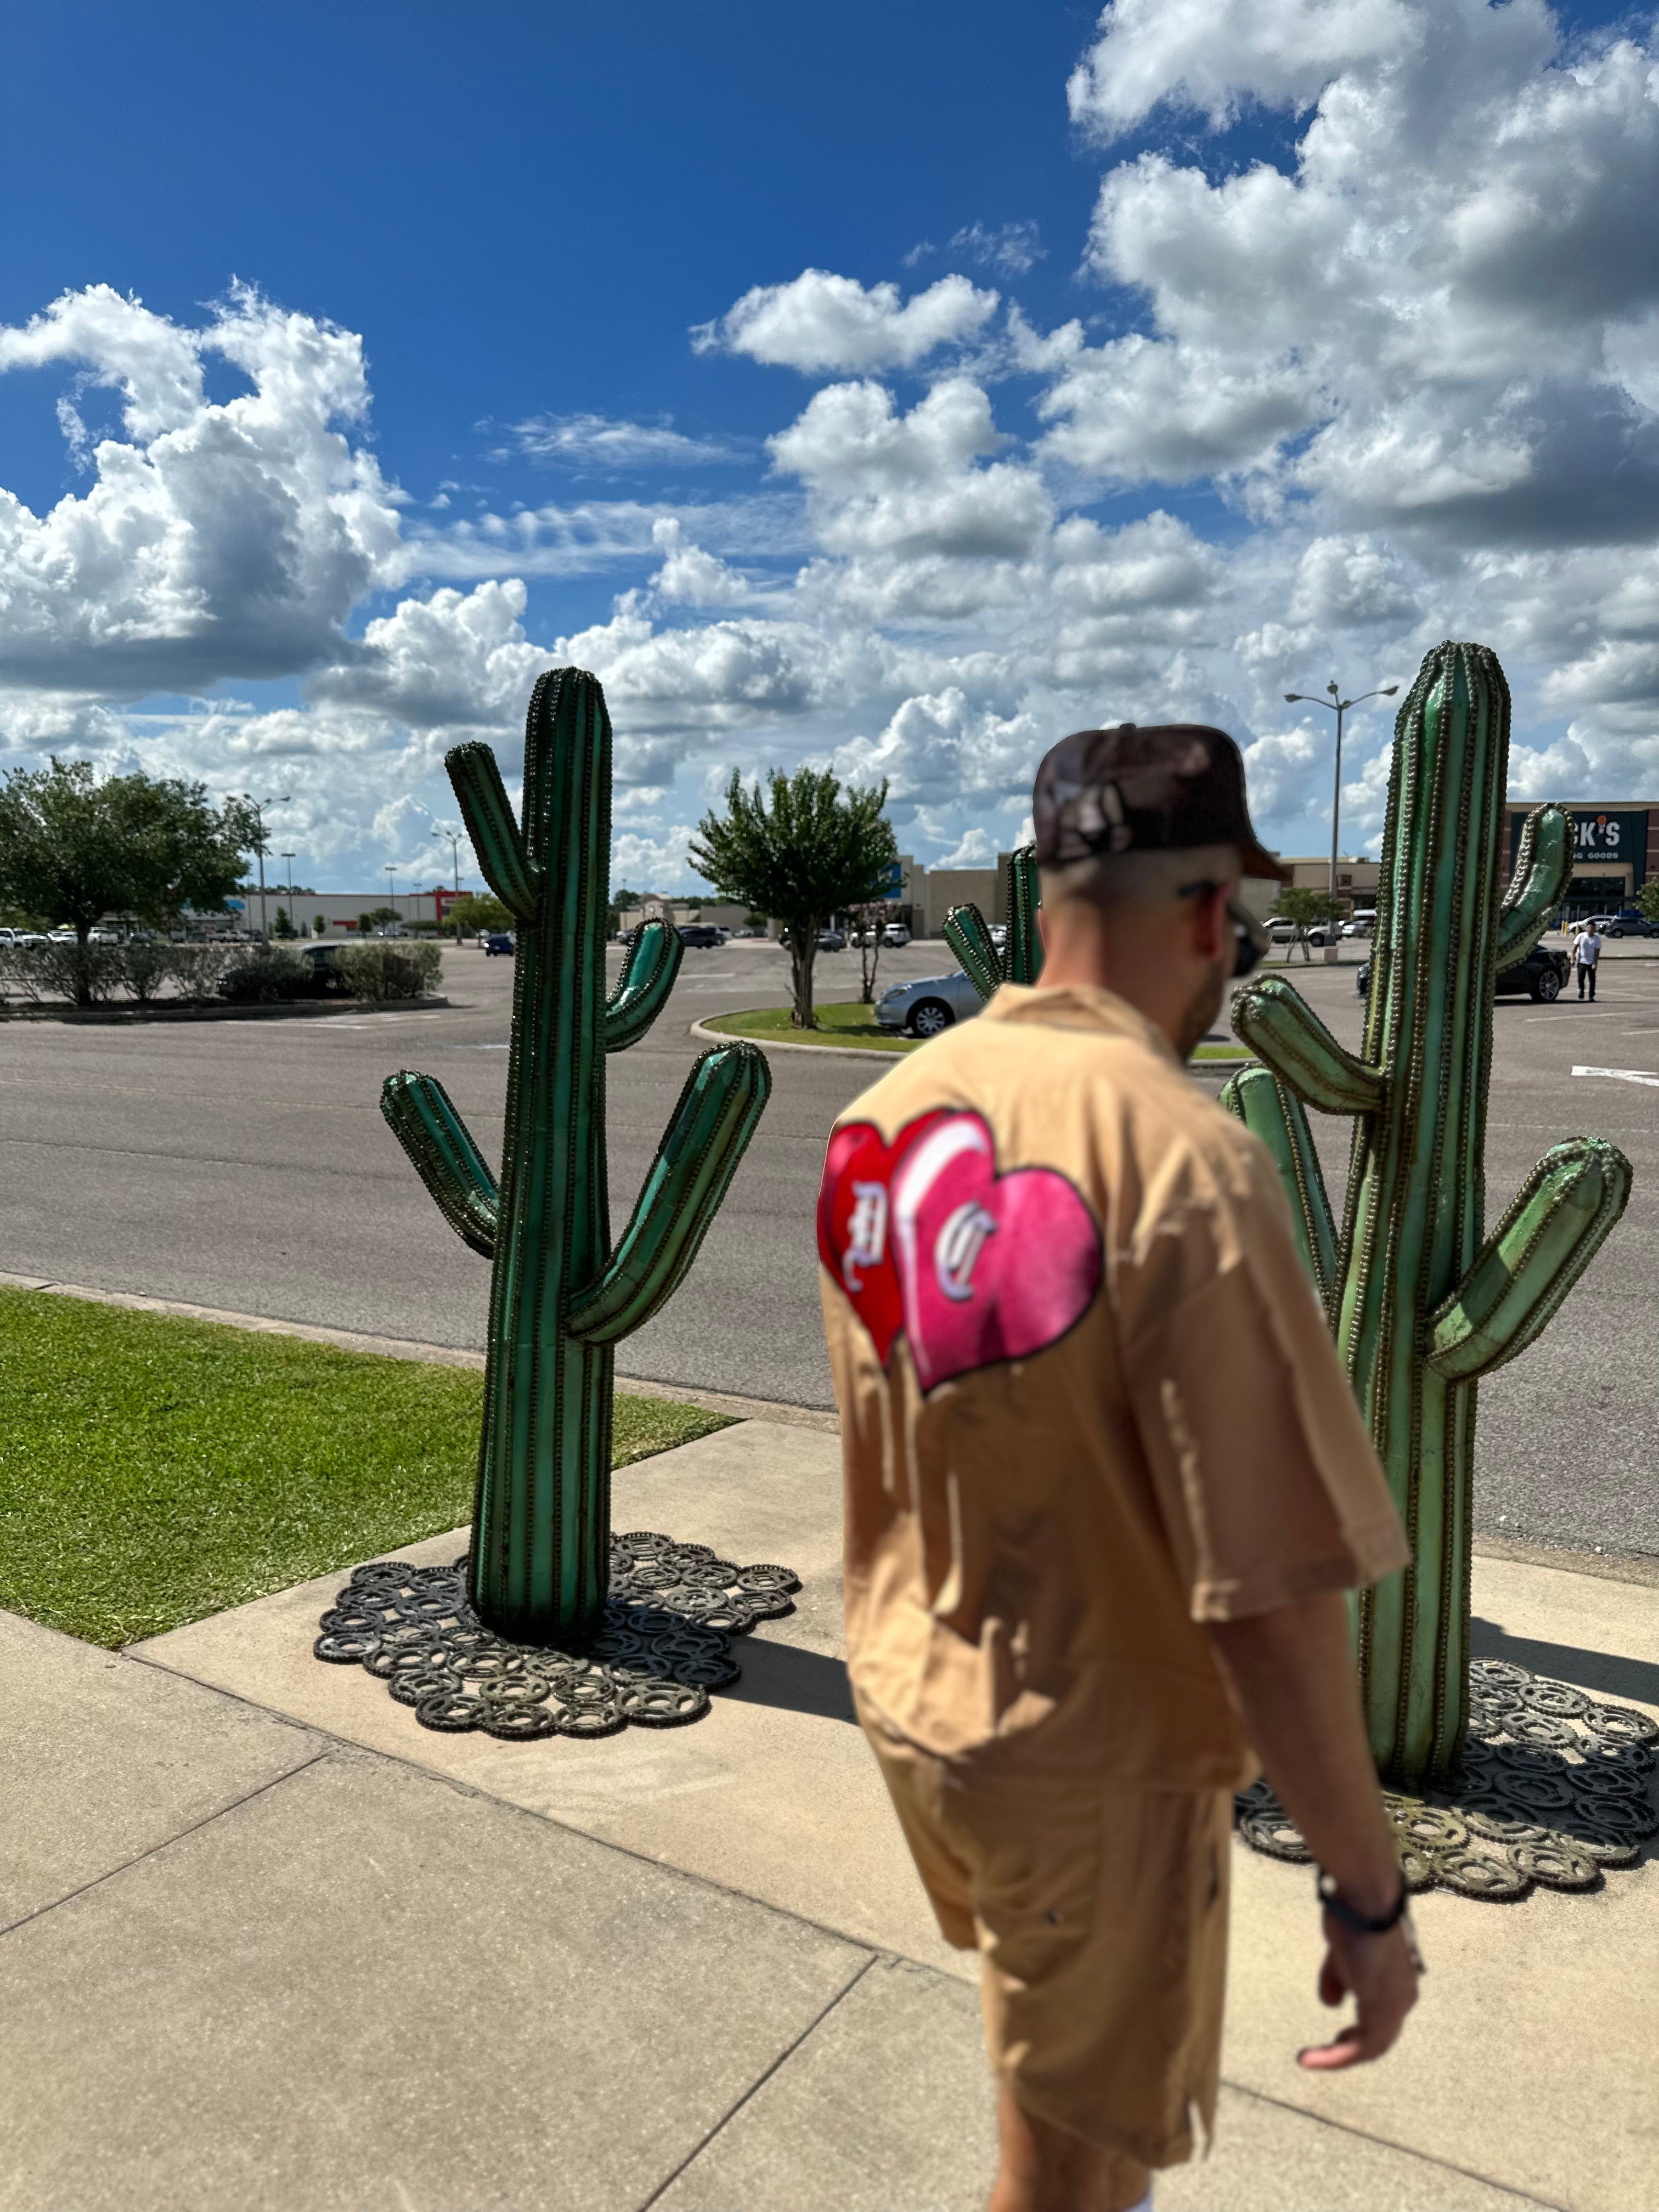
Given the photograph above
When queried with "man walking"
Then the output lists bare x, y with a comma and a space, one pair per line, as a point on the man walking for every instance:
1586, 953
1105, 1483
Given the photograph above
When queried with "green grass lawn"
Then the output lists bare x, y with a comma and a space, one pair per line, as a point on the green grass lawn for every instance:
153, 1470
854, 1025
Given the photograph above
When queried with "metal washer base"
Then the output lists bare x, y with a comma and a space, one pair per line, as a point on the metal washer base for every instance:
664, 1642
1556, 1787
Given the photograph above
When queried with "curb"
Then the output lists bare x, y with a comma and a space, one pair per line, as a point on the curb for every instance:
429, 1355
706, 1036
138, 1016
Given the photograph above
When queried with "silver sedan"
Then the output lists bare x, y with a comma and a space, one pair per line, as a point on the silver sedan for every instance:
928, 1005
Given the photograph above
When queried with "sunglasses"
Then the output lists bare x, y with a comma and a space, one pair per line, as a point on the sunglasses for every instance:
1250, 937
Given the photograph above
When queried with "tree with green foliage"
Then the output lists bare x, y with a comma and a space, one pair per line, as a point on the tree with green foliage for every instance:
477, 913
320, 925
814, 852
1647, 899
283, 927
1304, 907
76, 849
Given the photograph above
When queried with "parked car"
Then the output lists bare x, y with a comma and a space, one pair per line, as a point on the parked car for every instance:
925, 1007
895, 936
1629, 921
18, 938
1542, 975
700, 936
1362, 925
499, 940
832, 940
998, 932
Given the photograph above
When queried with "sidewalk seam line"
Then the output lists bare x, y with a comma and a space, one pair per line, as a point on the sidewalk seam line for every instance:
546, 1819
168, 1841
757, 2085
1387, 2142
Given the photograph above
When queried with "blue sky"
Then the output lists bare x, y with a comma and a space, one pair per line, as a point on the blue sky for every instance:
897, 387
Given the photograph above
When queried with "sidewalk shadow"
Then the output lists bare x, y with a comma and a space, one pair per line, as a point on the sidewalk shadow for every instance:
1602, 1672
794, 1681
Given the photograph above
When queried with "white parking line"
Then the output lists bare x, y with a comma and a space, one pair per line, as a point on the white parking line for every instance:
1622, 1075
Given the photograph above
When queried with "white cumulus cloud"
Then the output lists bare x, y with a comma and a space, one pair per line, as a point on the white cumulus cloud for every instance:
823, 324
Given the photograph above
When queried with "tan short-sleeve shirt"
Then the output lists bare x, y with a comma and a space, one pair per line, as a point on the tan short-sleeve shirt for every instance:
1088, 1397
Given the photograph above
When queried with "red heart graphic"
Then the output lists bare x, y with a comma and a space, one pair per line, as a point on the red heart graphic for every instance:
924, 1234
854, 1204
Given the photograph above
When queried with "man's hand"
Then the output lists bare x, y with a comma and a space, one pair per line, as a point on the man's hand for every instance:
1380, 1972
1291, 1676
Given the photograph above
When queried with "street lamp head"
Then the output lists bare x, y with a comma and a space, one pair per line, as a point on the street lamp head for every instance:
1332, 687
1291, 698
1387, 691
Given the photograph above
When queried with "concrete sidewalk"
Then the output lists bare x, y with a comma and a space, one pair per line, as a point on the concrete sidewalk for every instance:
268, 1943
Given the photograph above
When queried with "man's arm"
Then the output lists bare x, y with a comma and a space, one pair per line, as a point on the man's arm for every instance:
1290, 1676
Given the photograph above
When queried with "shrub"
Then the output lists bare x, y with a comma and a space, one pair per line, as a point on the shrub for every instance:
267, 973
90, 976
390, 967
197, 969
145, 966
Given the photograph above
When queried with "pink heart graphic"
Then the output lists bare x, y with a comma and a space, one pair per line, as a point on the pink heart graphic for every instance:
990, 1267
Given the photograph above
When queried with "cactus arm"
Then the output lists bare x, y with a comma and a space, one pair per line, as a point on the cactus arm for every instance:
418, 1110
648, 977
1542, 868
1282, 1029
489, 818
970, 940
1552, 1231
966, 934
1025, 961
1271, 1111
723, 1099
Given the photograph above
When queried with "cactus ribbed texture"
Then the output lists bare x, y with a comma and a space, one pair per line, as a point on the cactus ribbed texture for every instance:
1420, 1306
560, 1297
968, 936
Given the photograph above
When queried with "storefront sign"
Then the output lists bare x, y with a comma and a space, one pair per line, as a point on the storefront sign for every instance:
1600, 839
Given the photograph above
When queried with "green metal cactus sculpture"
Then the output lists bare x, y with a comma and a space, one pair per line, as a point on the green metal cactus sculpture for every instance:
968, 936
1420, 1305
560, 1296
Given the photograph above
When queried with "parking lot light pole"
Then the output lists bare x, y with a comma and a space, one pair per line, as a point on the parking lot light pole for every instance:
1338, 706
452, 840
292, 924
260, 805
392, 888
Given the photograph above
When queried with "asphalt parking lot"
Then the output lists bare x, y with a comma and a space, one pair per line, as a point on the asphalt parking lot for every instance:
244, 1165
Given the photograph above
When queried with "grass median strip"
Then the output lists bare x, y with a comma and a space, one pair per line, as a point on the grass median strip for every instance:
154, 1470
853, 1025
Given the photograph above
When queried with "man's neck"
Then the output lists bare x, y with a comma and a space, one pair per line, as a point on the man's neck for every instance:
1101, 961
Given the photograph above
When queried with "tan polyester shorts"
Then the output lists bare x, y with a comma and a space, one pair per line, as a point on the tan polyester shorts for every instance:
1100, 1914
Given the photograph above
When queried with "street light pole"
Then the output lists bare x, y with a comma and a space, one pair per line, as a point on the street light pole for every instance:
455, 843
1338, 706
292, 924
281, 799
392, 888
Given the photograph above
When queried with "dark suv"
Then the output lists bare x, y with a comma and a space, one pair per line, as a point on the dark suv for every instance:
1542, 976
700, 936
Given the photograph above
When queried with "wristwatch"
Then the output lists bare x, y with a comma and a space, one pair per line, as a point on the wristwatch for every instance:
1361, 1922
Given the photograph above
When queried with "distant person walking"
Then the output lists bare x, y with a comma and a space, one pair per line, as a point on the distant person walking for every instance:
1585, 955
1106, 1482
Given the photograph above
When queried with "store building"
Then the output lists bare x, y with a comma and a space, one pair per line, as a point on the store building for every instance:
1616, 849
